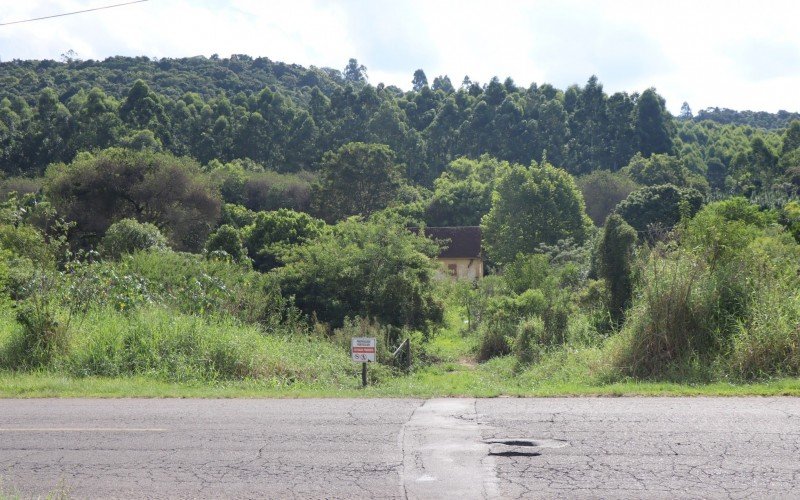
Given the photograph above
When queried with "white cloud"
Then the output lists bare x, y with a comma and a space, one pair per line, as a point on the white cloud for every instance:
733, 54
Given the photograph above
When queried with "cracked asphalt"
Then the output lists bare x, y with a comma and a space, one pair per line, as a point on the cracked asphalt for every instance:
403, 448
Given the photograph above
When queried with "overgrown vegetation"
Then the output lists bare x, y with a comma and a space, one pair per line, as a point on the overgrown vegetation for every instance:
243, 233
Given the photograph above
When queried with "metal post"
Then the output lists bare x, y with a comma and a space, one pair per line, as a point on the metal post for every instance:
363, 374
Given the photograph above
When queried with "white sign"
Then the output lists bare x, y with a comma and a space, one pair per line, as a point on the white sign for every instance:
362, 349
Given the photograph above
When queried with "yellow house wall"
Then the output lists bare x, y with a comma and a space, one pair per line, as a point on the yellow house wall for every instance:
466, 269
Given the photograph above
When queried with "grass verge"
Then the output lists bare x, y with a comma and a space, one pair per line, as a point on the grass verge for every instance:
449, 380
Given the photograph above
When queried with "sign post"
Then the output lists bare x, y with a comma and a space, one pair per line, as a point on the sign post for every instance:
362, 350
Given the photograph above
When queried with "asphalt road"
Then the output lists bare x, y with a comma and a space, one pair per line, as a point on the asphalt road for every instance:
384, 448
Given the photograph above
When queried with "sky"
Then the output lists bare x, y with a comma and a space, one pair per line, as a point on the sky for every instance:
734, 54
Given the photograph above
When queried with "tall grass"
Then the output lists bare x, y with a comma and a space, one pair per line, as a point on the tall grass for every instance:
722, 302
768, 344
159, 343
671, 318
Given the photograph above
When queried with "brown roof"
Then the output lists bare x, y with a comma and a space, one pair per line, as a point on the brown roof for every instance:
463, 242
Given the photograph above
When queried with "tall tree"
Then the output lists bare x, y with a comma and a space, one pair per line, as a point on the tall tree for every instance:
356, 179
602, 191
444, 84
419, 80
791, 139
686, 112
463, 193
99, 189
354, 72
653, 123
530, 206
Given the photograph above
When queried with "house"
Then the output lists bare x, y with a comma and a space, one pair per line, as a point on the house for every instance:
461, 255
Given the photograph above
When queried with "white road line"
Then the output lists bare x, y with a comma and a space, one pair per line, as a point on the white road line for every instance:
80, 429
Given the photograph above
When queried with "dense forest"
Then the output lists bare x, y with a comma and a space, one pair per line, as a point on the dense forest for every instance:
279, 196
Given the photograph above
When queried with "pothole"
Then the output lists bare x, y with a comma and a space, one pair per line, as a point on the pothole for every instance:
513, 442
525, 442
512, 453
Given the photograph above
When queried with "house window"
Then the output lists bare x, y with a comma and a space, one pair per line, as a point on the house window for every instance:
453, 269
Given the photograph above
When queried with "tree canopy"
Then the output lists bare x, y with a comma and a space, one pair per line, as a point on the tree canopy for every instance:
534, 205
356, 179
100, 188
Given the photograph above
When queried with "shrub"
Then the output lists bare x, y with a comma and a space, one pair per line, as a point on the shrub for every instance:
790, 218
247, 183
555, 317
502, 314
615, 264
26, 242
130, 236
725, 296
527, 271
375, 269
19, 186
228, 240
273, 191
768, 344
45, 327
186, 283
236, 216
495, 337
194, 285
273, 234
388, 337
530, 331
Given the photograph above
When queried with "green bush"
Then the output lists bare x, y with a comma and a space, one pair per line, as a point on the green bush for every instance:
130, 236
375, 269
528, 271
183, 282
790, 218
26, 242
495, 335
660, 169
44, 331
228, 241
530, 332
194, 285
615, 253
236, 216
556, 320
273, 234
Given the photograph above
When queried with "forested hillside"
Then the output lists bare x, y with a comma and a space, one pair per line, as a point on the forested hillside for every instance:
758, 119
285, 117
